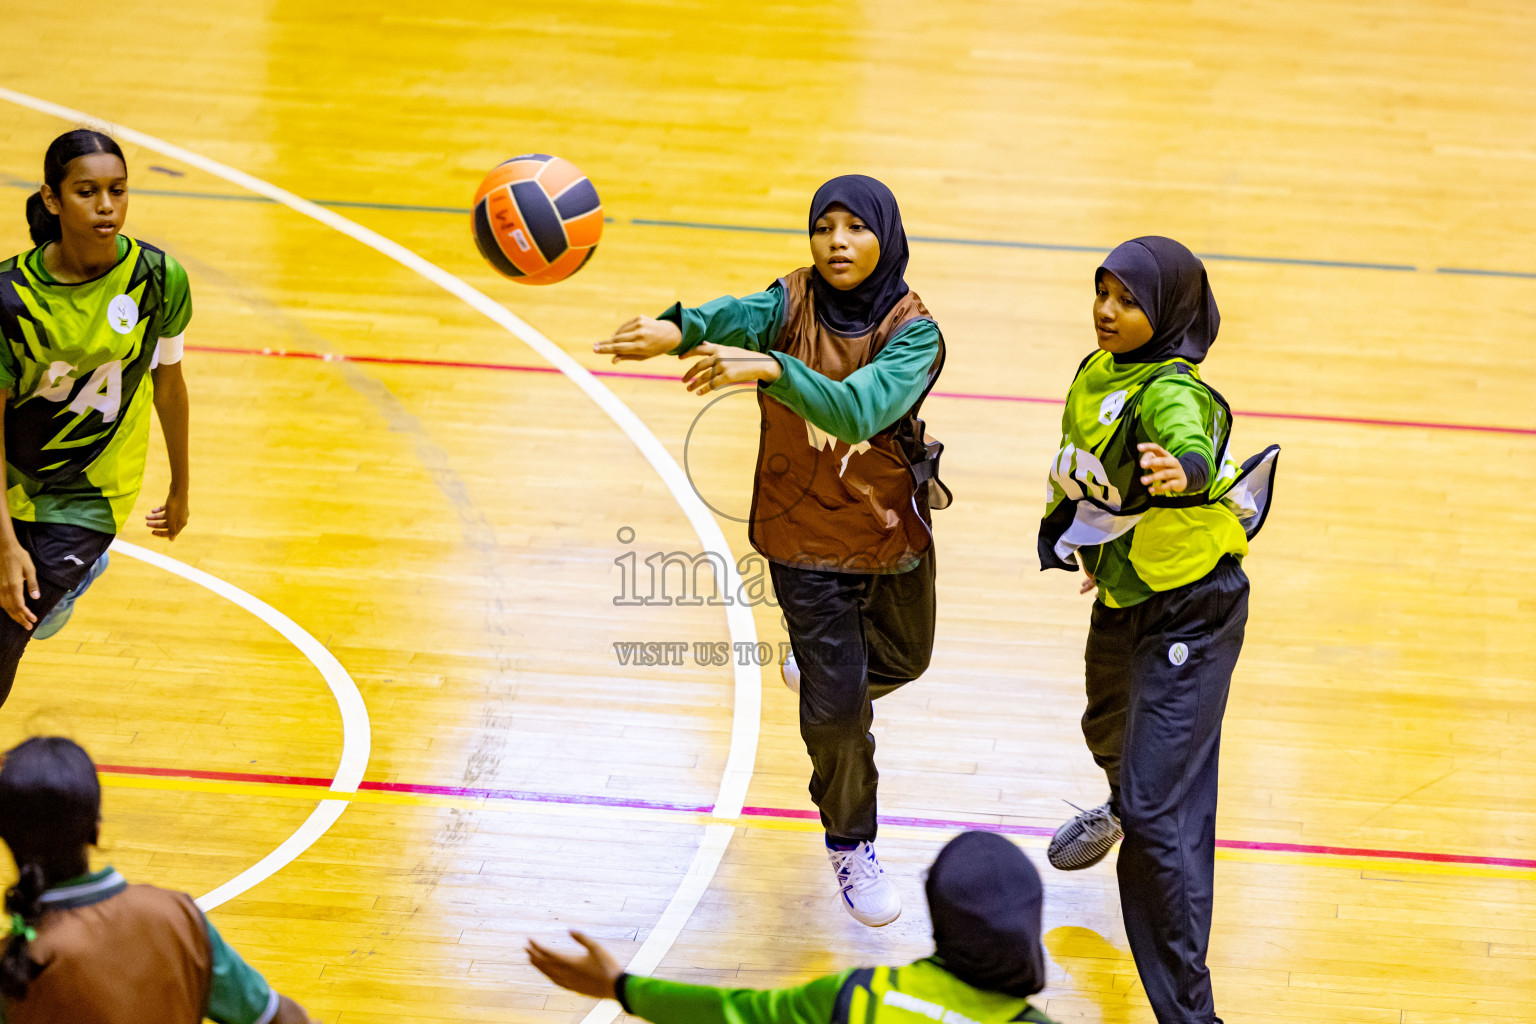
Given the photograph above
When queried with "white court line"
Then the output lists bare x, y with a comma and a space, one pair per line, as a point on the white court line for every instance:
356, 737
748, 680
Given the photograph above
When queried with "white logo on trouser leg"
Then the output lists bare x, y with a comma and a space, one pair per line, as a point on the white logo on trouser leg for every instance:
1178, 654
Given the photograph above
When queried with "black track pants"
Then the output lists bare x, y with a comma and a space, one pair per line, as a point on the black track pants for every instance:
62, 555
856, 637
1158, 675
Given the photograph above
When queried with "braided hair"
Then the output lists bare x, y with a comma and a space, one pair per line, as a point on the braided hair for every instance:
50, 810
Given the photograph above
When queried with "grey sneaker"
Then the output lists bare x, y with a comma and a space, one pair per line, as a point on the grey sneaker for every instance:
1083, 841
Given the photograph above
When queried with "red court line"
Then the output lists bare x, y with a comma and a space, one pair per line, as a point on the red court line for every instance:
789, 813
1360, 851
195, 773
1360, 421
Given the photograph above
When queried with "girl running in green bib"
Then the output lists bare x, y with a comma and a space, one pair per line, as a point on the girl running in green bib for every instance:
91, 326
1146, 500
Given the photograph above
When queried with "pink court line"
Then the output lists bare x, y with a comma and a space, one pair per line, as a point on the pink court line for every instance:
405, 787
328, 357
895, 821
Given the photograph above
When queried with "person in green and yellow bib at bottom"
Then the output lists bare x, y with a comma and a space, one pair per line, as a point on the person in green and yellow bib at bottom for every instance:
91, 325
85, 947
985, 900
1144, 497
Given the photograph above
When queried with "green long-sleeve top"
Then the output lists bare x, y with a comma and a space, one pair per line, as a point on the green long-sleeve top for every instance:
925, 982
674, 1002
1168, 547
853, 409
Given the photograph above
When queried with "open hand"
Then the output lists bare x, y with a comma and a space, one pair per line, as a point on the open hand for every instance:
1089, 583
169, 519
18, 581
723, 365
1165, 475
592, 975
641, 338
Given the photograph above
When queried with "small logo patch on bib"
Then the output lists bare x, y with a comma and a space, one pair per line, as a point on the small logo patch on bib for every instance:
122, 314
1109, 409
1178, 654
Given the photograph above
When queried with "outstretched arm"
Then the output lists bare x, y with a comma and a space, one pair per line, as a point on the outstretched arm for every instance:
640, 338
598, 974
750, 322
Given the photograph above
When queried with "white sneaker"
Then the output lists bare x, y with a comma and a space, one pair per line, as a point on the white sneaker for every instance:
867, 894
791, 673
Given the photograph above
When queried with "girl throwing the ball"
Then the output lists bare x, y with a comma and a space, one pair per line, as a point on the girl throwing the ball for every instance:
91, 326
842, 353
1146, 501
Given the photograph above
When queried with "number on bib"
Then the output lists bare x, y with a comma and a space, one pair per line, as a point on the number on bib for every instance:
1078, 472
103, 392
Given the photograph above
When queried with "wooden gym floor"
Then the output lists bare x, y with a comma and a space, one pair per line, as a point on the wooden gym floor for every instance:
450, 518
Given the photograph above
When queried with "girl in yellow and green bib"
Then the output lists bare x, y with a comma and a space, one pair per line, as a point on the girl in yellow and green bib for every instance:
91, 326
1145, 499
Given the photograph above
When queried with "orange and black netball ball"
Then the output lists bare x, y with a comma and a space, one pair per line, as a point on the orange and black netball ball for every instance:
537, 219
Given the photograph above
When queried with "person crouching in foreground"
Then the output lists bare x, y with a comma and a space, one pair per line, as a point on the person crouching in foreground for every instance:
985, 900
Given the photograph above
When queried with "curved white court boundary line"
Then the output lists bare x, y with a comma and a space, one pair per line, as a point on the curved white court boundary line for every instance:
356, 736
747, 707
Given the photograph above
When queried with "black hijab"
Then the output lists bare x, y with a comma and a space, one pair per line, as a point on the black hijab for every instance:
1169, 282
859, 309
984, 897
